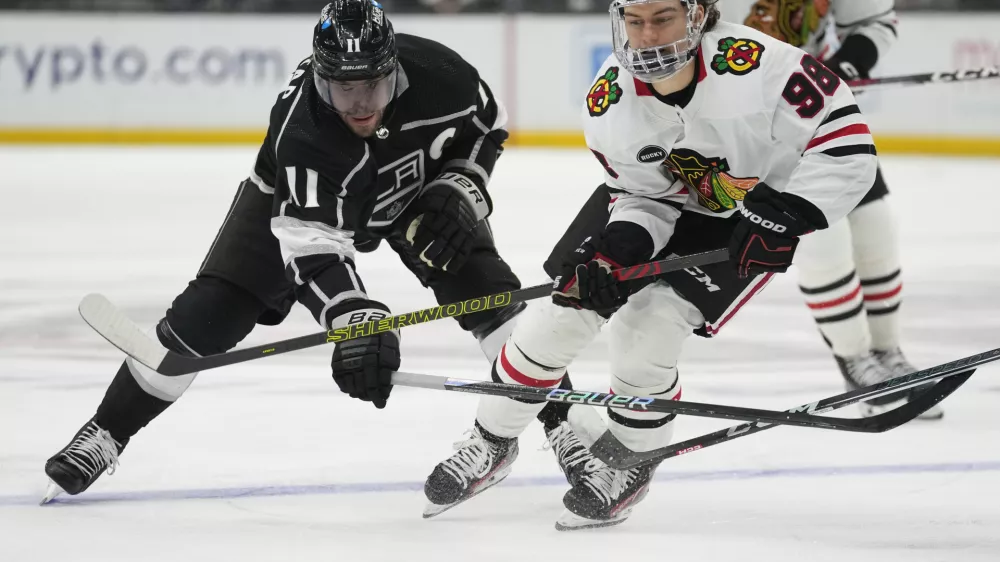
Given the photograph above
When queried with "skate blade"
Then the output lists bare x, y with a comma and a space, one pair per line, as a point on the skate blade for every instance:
570, 521
433, 509
51, 492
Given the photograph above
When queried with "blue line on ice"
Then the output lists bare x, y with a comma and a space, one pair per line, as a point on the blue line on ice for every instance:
368, 487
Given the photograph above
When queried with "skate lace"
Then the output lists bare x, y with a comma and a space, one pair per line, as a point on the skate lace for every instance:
606, 482
568, 448
895, 362
472, 459
93, 450
868, 371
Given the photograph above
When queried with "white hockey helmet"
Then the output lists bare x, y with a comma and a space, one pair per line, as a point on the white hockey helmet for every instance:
656, 62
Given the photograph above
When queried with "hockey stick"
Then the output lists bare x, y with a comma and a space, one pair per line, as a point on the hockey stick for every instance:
118, 329
803, 416
927, 78
614, 453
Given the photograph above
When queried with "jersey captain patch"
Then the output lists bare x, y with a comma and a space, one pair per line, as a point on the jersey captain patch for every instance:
604, 93
739, 56
718, 191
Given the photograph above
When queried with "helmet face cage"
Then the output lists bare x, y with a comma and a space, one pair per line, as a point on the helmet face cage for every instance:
650, 64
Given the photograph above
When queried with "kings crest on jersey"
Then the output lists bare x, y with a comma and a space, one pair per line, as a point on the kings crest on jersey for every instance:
761, 111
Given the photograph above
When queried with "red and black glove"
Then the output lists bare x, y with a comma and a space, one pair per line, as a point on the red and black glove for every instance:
585, 280
765, 239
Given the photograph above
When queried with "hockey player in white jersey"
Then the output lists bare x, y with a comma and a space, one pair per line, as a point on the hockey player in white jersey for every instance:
849, 273
711, 135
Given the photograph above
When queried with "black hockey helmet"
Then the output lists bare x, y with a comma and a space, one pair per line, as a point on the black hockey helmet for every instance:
354, 57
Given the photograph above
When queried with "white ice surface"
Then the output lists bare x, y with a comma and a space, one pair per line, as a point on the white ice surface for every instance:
267, 461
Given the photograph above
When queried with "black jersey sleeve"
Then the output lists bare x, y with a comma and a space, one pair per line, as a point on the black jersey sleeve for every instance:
470, 157
315, 231
480, 139
262, 174
310, 181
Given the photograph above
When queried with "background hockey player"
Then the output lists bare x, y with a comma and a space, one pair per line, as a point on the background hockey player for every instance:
377, 137
711, 135
850, 273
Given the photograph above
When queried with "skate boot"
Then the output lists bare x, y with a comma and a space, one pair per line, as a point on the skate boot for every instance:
898, 365
866, 370
481, 461
81, 463
604, 496
571, 454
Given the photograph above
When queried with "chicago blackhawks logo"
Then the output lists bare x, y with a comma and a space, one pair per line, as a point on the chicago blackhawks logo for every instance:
739, 56
709, 177
603, 93
791, 21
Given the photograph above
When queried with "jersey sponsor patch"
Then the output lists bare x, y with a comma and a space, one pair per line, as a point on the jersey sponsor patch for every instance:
650, 154
739, 56
604, 93
718, 191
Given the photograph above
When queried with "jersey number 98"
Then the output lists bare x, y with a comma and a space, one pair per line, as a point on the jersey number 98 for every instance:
806, 91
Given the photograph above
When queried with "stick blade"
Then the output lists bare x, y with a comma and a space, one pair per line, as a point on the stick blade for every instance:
923, 401
612, 452
112, 324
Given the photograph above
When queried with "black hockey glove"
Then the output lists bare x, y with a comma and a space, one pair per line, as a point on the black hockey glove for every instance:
363, 367
855, 58
844, 69
447, 214
585, 280
766, 237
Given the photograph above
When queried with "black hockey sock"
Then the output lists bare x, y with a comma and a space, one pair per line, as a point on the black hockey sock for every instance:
126, 407
554, 413
211, 316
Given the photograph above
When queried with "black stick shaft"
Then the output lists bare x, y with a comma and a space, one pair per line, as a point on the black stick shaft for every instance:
949, 369
928, 78
802, 416
174, 364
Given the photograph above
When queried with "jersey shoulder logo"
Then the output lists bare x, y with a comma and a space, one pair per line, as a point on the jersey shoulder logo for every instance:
739, 56
604, 93
718, 191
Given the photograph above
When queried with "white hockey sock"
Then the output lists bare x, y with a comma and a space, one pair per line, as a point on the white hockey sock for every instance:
876, 252
644, 431
883, 296
544, 342
838, 310
831, 288
646, 337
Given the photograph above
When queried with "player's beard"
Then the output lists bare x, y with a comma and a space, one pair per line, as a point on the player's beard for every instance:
364, 128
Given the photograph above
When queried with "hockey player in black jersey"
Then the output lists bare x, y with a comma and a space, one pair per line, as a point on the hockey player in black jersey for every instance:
377, 137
